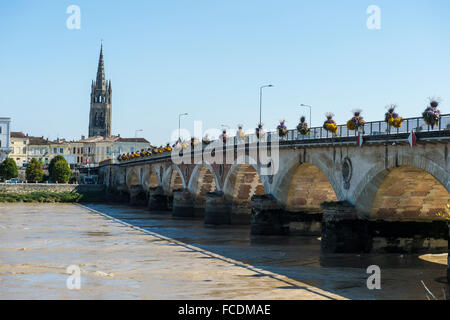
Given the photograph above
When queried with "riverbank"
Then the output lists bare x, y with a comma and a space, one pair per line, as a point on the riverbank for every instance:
51, 193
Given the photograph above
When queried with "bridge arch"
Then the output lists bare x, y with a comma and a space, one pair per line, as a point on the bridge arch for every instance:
241, 183
150, 178
173, 179
203, 175
408, 188
202, 181
132, 178
303, 186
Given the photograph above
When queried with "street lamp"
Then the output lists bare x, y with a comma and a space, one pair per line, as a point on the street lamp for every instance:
260, 98
310, 120
179, 125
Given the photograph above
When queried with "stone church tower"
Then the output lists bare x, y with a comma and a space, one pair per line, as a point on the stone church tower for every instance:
101, 98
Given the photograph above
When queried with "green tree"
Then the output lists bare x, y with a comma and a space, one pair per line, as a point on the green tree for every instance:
8, 169
34, 172
60, 171
52, 164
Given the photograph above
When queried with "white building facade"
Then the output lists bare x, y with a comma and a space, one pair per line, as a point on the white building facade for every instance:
5, 131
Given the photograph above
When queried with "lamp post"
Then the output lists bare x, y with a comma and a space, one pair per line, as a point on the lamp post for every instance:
310, 120
260, 98
179, 124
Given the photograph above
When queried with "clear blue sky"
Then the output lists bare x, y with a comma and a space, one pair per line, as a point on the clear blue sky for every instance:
209, 58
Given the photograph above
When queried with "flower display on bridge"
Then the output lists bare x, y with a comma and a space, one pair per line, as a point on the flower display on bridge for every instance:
282, 129
392, 118
329, 124
206, 140
224, 136
445, 214
356, 122
144, 153
302, 127
431, 114
259, 131
194, 142
240, 134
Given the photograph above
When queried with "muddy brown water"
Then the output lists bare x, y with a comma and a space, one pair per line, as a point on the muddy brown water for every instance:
129, 253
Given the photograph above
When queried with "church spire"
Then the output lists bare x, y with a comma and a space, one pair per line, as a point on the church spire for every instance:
101, 81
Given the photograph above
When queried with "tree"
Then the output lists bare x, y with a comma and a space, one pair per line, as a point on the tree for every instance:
52, 164
60, 171
34, 172
8, 169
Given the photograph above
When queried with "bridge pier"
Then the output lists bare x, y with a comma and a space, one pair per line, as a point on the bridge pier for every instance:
183, 204
118, 194
138, 196
305, 223
268, 217
157, 199
343, 231
448, 257
217, 209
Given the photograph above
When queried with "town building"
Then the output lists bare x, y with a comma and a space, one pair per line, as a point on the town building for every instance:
5, 149
19, 146
91, 151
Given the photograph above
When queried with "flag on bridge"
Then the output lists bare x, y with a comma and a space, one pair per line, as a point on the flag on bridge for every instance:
412, 139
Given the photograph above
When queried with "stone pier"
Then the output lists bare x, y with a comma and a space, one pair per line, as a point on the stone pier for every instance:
138, 196
268, 217
217, 209
157, 199
183, 204
343, 231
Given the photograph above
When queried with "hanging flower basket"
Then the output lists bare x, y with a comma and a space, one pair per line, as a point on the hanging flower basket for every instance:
240, 134
302, 127
282, 129
392, 118
206, 140
259, 131
224, 136
431, 114
168, 148
329, 124
356, 122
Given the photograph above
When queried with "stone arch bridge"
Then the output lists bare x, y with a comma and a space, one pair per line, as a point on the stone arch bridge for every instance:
383, 183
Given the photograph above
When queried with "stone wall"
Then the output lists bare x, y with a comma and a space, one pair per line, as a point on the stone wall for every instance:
49, 187
408, 193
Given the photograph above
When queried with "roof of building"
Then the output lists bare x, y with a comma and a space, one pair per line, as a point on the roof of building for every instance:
99, 139
113, 139
38, 141
143, 140
18, 135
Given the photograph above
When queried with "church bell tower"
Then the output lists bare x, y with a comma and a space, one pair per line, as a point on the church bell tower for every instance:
101, 99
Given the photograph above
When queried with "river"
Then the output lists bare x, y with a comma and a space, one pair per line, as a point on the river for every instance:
129, 253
